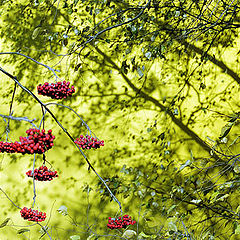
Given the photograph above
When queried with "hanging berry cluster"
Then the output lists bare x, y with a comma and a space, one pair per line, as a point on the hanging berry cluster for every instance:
88, 142
35, 142
57, 90
120, 222
42, 174
32, 215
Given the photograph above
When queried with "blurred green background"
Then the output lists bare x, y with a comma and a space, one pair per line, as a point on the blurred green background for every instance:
158, 102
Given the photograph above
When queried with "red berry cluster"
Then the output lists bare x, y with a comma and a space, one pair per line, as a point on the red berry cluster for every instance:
57, 90
88, 142
120, 222
35, 142
32, 215
42, 174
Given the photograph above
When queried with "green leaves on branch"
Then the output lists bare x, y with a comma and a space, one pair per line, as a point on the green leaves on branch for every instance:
4, 223
23, 230
63, 210
36, 32
187, 163
128, 234
227, 128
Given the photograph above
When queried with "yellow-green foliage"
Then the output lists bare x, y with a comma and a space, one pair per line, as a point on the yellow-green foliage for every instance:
158, 94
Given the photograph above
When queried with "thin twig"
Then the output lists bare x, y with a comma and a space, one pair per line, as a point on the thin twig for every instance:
91, 38
19, 119
55, 13
34, 187
42, 64
45, 230
9, 199
58, 104
10, 110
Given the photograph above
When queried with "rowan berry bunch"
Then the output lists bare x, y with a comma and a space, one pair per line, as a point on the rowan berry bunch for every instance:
120, 222
88, 142
42, 174
57, 90
35, 142
32, 215
7, 147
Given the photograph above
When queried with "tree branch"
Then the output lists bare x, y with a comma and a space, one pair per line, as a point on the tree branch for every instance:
91, 38
178, 122
68, 134
44, 65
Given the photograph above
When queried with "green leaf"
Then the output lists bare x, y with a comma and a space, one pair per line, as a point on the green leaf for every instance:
75, 2
175, 111
65, 42
139, 71
171, 208
129, 234
70, 11
75, 237
36, 32
148, 55
187, 163
149, 130
237, 230
238, 209
63, 210
91, 237
196, 201
223, 197
5, 222
172, 226
236, 168
214, 196
205, 235
143, 235
226, 129
23, 230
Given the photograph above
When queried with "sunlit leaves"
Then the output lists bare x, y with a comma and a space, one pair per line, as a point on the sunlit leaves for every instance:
171, 222
187, 163
226, 129
140, 72
128, 234
63, 210
171, 208
75, 237
36, 32
148, 55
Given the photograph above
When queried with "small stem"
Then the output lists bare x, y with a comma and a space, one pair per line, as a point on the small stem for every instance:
42, 120
139, 213
34, 187
44, 65
9, 199
19, 119
10, 110
58, 104
45, 230
44, 158
43, 116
